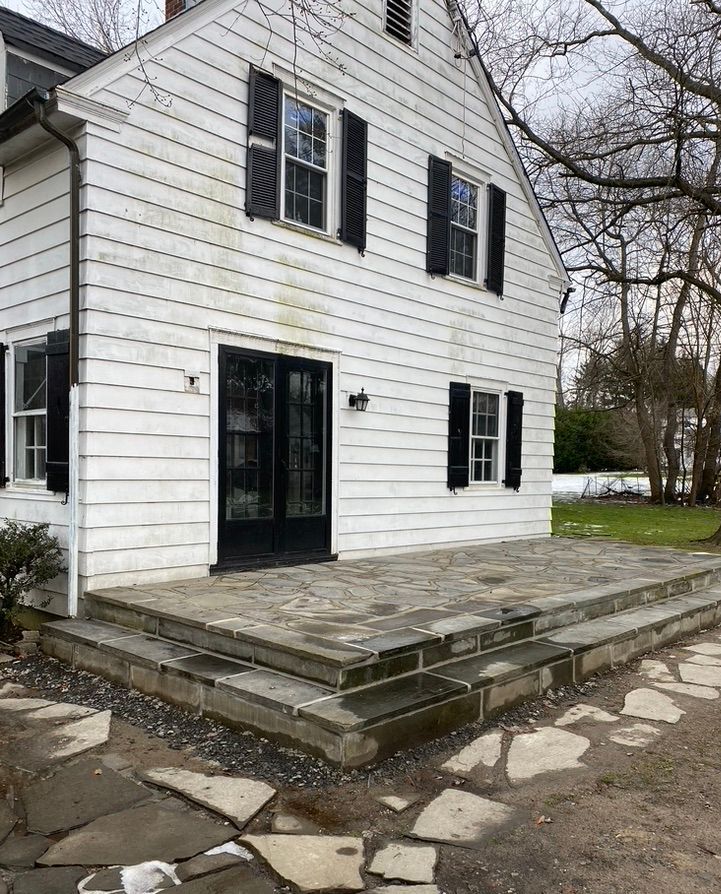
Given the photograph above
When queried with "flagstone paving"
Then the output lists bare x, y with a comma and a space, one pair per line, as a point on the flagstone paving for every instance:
649, 704
237, 799
95, 822
546, 751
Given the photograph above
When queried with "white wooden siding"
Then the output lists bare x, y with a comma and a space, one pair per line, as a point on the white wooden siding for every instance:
34, 235
173, 259
173, 255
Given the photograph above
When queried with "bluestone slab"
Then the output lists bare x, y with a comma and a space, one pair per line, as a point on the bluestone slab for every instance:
78, 794
206, 668
504, 664
365, 707
273, 690
147, 650
148, 832
237, 799
57, 880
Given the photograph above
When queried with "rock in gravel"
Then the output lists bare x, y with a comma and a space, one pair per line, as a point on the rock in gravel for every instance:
483, 751
649, 704
78, 794
397, 803
637, 736
547, 750
23, 851
287, 824
703, 676
58, 880
689, 689
461, 818
8, 819
313, 862
237, 799
405, 862
586, 712
137, 835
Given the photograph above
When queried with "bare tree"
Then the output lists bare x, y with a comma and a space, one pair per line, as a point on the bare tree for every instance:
106, 24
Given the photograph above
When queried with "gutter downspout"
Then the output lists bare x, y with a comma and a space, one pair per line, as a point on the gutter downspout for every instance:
39, 106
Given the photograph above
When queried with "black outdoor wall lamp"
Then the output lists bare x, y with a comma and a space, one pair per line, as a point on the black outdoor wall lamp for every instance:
359, 401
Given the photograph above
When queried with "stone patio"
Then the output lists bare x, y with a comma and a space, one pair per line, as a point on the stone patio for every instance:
354, 600
348, 659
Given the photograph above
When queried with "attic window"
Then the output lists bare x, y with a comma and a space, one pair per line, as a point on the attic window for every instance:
399, 20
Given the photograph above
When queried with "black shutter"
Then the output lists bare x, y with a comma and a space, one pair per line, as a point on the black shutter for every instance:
439, 216
354, 180
514, 439
459, 421
496, 239
3, 413
262, 192
58, 409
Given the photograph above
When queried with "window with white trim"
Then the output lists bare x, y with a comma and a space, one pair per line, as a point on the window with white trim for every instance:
464, 228
305, 163
30, 412
485, 436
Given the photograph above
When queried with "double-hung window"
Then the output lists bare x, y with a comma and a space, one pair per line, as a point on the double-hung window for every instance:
485, 433
298, 155
29, 412
466, 233
464, 228
305, 158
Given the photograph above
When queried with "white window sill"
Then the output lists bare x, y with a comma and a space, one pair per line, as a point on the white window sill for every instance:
28, 489
471, 283
307, 231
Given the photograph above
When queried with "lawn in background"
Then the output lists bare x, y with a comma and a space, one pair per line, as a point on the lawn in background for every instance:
676, 526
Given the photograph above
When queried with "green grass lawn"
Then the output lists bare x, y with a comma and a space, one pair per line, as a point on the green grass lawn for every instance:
676, 526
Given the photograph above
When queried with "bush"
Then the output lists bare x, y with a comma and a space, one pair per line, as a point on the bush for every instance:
29, 557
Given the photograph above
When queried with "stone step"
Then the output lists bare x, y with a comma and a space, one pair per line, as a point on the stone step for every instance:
362, 726
345, 659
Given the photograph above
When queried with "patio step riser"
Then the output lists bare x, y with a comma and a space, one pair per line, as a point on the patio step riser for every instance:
579, 607
362, 727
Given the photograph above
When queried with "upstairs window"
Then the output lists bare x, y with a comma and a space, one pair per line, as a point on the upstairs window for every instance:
305, 154
399, 20
464, 228
460, 213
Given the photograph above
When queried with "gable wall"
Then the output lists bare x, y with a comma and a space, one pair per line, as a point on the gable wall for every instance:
173, 256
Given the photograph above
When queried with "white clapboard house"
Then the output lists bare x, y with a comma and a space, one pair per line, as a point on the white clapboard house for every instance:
269, 299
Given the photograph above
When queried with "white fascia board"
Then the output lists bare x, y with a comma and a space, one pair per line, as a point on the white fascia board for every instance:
85, 109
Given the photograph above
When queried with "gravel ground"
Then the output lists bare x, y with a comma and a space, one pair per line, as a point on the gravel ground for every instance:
244, 752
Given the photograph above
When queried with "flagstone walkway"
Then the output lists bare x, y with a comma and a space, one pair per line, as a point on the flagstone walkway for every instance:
77, 815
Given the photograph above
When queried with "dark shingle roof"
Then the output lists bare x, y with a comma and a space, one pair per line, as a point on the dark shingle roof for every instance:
54, 46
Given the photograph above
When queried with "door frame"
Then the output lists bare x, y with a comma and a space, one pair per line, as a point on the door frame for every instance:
261, 344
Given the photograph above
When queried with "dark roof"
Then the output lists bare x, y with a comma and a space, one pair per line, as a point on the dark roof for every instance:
54, 46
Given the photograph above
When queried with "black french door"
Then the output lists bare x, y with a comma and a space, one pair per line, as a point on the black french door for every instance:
274, 458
